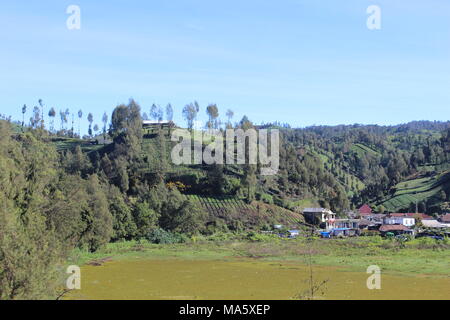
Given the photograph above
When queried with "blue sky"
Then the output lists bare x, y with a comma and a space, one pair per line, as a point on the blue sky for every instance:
304, 62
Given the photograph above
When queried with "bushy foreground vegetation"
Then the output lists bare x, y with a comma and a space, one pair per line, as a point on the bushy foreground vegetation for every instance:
54, 202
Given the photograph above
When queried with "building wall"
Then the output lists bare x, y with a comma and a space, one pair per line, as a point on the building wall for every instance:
406, 221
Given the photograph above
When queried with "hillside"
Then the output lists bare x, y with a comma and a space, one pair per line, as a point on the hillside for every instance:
56, 189
393, 168
236, 213
425, 191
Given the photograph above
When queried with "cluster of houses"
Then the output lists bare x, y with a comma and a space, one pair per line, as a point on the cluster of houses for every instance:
385, 224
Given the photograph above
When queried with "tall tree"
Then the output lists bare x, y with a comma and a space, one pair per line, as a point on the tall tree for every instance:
169, 115
67, 114
154, 112
160, 114
249, 179
36, 119
190, 112
62, 117
169, 112
126, 127
213, 113
105, 122
90, 119
52, 115
24, 110
72, 129
80, 115
41, 104
230, 115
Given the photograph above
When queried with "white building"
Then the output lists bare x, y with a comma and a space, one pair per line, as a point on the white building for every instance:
406, 221
320, 216
149, 123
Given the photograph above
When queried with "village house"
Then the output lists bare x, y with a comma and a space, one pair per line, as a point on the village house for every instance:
395, 229
403, 220
376, 220
324, 218
365, 210
347, 223
445, 219
364, 224
150, 125
345, 227
155, 123
344, 232
434, 224
421, 216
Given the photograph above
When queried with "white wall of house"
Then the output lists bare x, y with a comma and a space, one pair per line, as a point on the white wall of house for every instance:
406, 221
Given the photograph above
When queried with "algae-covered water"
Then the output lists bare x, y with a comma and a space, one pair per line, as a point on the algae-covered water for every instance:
243, 279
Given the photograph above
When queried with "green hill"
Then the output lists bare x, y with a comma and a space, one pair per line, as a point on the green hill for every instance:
424, 190
393, 166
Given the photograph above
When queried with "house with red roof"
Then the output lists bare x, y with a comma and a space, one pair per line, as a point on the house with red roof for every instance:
445, 219
395, 229
422, 216
365, 210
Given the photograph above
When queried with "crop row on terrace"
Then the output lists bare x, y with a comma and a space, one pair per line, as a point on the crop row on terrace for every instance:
417, 190
233, 208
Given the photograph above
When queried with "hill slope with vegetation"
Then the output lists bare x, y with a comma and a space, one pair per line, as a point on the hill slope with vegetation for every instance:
374, 164
59, 191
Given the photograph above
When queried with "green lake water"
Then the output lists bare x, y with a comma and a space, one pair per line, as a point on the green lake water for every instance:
242, 279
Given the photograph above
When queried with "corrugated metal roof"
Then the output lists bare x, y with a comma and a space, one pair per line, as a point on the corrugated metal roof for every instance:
433, 224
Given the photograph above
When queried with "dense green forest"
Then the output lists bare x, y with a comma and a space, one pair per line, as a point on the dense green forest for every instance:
59, 191
393, 168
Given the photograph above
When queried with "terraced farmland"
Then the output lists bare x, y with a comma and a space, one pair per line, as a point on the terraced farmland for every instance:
362, 148
417, 190
232, 209
63, 144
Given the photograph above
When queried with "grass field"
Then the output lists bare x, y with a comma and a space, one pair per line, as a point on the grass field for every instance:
419, 256
235, 268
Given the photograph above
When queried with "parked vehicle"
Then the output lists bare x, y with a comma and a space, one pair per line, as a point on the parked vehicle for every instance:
389, 235
325, 234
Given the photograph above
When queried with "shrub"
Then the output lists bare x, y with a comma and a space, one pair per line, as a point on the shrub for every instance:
259, 237
160, 236
217, 225
264, 197
224, 236
231, 185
